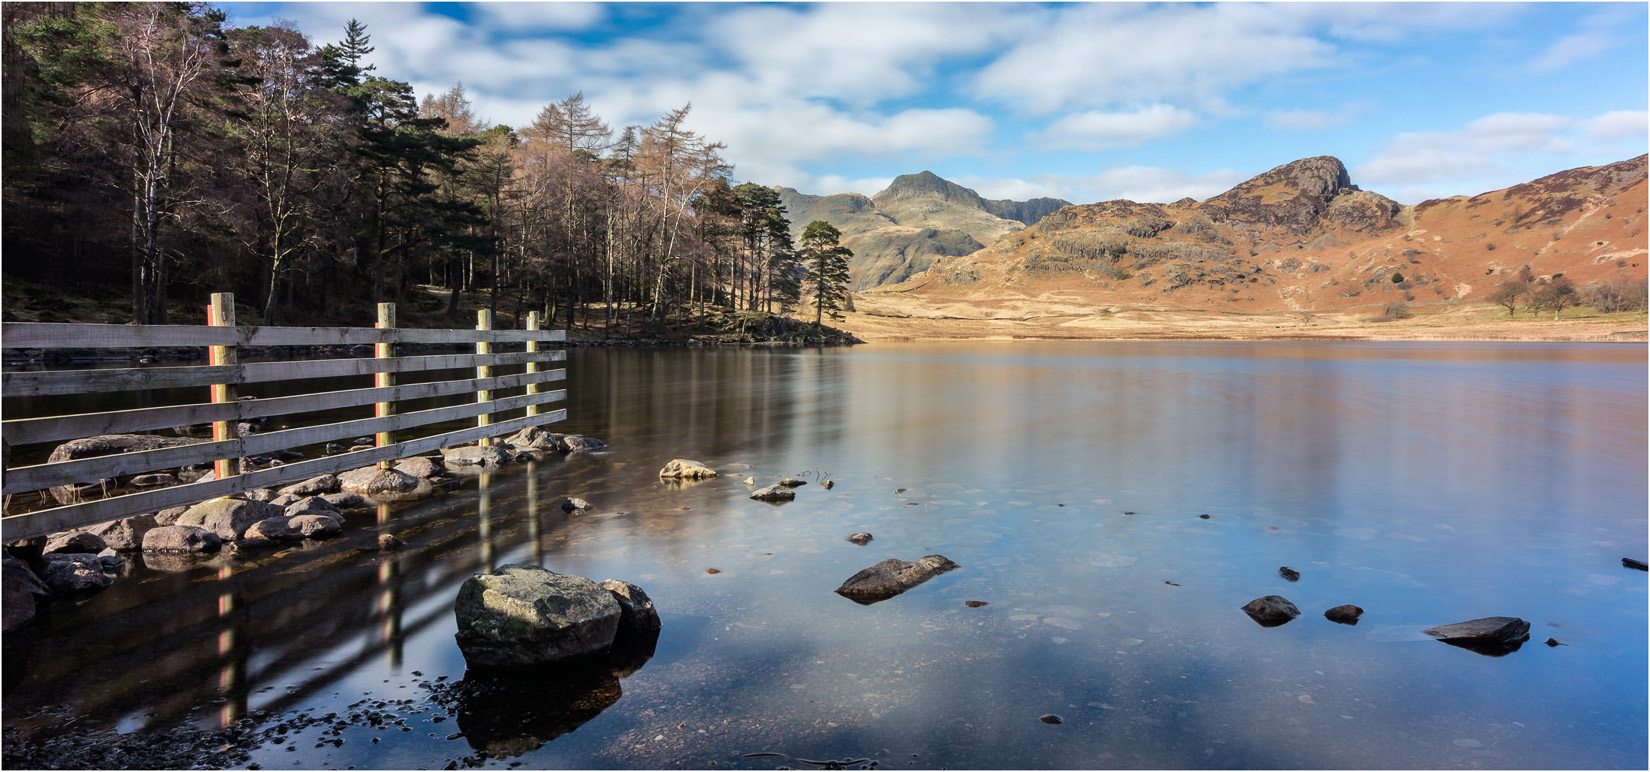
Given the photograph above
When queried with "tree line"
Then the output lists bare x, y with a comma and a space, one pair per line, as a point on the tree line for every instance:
157, 147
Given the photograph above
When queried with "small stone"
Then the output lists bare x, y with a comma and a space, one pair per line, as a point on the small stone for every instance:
1051, 719
713, 570
74, 542
575, 503
314, 486
975, 603
1271, 610
750, 482
1289, 574
892, 577
686, 469
792, 482
111, 558
1556, 642
1346, 615
1203, 517
862, 538
476, 455
580, 444
828, 484
774, 493
388, 542
420, 466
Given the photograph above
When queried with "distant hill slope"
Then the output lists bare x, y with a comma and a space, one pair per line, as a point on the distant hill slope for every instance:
918, 218
1302, 237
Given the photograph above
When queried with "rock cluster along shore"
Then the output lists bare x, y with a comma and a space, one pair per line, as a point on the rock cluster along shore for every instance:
77, 563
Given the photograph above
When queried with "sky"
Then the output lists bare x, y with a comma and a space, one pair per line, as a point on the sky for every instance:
1081, 101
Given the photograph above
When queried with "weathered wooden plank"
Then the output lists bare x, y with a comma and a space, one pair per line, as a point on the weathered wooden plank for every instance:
57, 382
222, 314
30, 525
52, 382
40, 476
26, 431
18, 335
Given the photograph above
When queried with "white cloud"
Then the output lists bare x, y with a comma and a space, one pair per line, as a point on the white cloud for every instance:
1100, 130
1313, 119
1499, 150
1144, 184
533, 16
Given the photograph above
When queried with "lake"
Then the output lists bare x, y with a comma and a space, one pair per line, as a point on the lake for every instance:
1426, 483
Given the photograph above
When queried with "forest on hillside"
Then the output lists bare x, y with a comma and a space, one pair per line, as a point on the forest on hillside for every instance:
154, 152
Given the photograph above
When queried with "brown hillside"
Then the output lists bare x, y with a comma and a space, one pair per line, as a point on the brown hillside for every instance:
1299, 238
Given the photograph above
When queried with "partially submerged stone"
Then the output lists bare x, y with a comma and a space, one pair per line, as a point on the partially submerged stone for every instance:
1289, 574
862, 538
636, 612
371, 479
181, 538
314, 486
125, 533
892, 577
1493, 636
228, 517
74, 542
296, 527
774, 493
75, 574
792, 482
1271, 610
686, 469
581, 444
574, 503
536, 438
523, 615
476, 455
23, 593
1346, 615
420, 466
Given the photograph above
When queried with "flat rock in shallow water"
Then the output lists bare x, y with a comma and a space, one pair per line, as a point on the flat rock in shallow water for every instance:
1271, 610
477, 455
1492, 636
579, 444
522, 615
892, 577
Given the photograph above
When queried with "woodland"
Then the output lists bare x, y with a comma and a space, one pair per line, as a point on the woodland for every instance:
154, 154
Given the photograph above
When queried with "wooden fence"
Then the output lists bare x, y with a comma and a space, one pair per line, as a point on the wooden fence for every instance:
224, 411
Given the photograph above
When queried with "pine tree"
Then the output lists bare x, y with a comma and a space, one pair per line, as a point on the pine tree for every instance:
827, 263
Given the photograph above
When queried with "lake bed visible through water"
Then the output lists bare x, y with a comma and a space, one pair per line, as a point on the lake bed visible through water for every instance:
1427, 483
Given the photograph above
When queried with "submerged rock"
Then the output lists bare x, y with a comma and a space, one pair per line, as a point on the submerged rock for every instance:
686, 469
774, 493
892, 577
1289, 574
1271, 610
1492, 636
523, 615
1346, 615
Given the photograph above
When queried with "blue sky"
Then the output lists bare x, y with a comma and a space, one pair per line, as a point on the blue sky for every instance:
1081, 101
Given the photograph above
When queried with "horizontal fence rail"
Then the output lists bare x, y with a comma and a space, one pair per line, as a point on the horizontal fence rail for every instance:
224, 412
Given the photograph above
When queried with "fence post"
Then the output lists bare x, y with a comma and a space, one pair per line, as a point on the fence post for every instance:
532, 366
222, 314
484, 322
384, 351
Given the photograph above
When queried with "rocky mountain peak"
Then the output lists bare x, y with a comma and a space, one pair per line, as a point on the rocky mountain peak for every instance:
926, 183
1294, 195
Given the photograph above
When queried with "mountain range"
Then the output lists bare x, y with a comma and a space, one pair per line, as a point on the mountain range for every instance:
918, 218
1300, 237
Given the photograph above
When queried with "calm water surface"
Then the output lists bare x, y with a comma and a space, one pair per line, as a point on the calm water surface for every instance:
1427, 483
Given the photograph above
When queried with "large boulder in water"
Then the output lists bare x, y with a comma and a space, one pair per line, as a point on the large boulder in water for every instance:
523, 615
685, 469
1493, 636
892, 577
228, 517
23, 593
